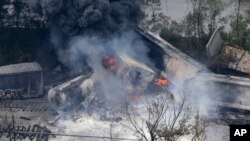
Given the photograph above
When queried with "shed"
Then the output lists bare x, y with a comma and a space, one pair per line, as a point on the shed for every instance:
20, 81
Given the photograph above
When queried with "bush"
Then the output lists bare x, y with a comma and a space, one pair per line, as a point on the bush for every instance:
170, 36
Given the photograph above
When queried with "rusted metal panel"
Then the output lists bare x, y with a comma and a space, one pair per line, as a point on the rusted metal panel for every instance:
237, 59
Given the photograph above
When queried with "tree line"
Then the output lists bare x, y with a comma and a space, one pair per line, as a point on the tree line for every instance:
22, 34
198, 25
18, 14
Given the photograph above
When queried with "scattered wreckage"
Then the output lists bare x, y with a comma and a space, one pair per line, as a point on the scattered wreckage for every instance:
86, 93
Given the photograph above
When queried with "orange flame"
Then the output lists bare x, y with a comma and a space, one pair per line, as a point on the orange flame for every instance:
161, 81
137, 97
110, 62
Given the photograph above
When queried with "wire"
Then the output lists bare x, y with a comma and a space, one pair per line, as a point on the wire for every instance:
66, 135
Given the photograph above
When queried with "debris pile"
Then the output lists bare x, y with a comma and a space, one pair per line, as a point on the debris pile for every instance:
86, 93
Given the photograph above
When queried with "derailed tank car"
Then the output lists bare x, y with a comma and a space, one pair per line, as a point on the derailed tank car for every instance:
21, 81
68, 95
136, 78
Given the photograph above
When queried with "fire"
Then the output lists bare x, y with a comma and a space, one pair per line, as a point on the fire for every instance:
161, 80
109, 62
137, 97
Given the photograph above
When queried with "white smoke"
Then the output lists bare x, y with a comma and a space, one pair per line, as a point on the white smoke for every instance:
92, 49
92, 126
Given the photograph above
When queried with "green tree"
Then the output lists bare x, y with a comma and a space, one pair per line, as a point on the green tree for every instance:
154, 20
248, 22
172, 33
248, 13
239, 30
162, 22
3, 12
214, 9
155, 6
19, 6
238, 19
198, 18
189, 25
157, 25
168, 119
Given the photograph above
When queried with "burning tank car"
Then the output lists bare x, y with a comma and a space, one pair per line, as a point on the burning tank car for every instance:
86, 92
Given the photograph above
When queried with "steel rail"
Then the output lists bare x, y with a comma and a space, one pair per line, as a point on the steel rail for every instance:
66, 135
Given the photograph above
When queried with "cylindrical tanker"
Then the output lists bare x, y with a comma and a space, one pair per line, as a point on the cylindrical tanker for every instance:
137, 78
70, 94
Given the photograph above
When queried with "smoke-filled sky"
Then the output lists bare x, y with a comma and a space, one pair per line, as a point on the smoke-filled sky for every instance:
73, 17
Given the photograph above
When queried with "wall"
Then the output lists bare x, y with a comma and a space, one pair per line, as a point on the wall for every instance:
10, 94
21, 86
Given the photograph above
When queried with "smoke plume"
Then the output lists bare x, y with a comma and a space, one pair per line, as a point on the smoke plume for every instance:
93, 49
72, 17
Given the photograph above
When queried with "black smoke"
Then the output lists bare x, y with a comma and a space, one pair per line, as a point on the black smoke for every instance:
74, 17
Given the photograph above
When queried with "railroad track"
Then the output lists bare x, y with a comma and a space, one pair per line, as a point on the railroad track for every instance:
41, 107
230, 115
35, 105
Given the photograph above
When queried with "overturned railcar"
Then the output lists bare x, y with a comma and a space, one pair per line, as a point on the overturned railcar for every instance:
21, 81
137, 78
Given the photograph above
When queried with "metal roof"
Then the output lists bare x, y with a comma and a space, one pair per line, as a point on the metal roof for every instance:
20, 68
